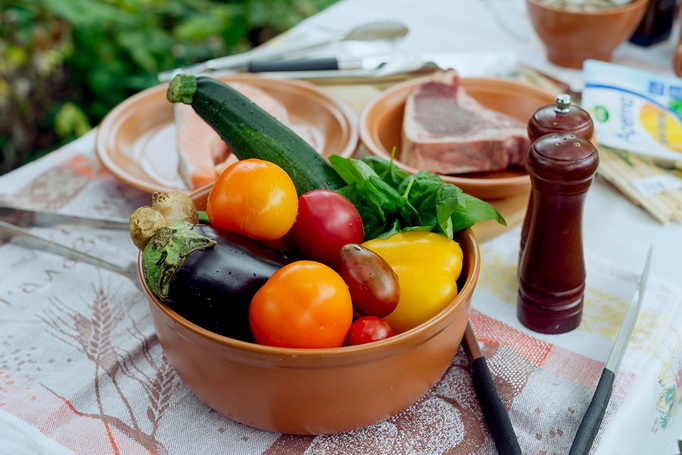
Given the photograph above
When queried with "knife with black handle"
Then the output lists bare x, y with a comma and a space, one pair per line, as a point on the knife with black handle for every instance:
494, 412
589, 426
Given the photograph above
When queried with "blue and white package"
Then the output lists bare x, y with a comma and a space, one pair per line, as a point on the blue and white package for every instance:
634, 110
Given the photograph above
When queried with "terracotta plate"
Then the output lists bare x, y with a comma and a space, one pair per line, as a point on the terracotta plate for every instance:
136, 140
381, 127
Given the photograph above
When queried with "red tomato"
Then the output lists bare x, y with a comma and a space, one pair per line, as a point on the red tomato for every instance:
367, 329
254, 198
326, 221
372, 282
304, 304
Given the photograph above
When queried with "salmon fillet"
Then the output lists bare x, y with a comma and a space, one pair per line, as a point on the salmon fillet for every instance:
201, 151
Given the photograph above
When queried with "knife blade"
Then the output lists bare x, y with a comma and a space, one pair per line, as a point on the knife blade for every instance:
43, 218
493, 409
589, 426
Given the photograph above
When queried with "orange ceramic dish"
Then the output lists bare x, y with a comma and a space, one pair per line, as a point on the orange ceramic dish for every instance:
381, 128
316, 391
572, 36
136, 140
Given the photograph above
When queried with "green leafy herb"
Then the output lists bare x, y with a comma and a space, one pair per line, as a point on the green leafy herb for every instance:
391, 200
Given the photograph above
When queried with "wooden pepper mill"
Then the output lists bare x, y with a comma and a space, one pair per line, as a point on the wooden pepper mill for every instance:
561, 117
552, 270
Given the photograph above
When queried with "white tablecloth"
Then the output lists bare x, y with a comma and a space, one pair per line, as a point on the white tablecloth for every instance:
81, 370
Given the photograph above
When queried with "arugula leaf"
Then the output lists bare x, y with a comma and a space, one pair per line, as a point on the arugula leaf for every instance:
391, 200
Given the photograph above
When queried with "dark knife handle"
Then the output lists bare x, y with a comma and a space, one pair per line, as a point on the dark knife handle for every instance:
311, 64
495, 413
592, 419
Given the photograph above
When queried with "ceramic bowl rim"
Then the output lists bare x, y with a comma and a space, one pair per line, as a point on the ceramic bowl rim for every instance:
616, 10
464, 294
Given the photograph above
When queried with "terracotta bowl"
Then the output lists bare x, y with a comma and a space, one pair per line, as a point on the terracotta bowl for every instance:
317, 391
136, 141
572, 36
381, 124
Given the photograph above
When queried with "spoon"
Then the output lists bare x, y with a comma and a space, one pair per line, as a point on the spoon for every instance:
364, 32
376, 30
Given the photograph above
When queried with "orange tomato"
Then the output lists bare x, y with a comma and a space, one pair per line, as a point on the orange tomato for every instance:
305, 304
254, 198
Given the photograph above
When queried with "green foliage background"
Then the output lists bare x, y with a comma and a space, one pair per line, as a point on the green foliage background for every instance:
65, 63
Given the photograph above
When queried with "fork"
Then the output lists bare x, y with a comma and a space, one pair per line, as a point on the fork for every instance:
24, 237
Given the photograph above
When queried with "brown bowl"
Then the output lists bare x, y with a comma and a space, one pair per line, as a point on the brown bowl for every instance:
381, 124
572, 36
317, 391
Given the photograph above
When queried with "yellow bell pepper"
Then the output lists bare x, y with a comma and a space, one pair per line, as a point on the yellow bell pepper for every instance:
427, 265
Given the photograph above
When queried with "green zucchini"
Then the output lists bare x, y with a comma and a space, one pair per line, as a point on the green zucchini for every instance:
251, 132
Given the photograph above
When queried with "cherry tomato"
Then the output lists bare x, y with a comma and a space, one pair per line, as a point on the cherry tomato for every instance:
326, 221
254, 198
367, 329
304, 304
373, 284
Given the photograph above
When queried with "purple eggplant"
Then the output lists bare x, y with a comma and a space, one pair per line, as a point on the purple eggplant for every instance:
209, 275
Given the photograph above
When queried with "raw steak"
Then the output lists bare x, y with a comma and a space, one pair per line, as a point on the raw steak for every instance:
446, 131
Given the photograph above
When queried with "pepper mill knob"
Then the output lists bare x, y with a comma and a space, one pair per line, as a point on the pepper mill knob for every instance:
560, 117
552, 268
